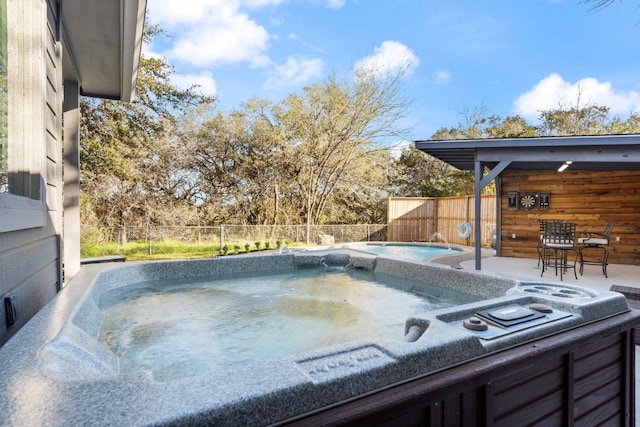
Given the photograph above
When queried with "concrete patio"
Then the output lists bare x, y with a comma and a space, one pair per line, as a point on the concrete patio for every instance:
527, 268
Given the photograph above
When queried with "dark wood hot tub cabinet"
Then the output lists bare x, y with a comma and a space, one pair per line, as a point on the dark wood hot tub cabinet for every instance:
581, 377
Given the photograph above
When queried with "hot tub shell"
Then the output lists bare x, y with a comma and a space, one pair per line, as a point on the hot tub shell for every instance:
54, 371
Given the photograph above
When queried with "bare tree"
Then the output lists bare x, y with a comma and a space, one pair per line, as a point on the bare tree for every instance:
335, 127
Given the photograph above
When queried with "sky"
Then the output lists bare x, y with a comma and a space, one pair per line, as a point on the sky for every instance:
502, 57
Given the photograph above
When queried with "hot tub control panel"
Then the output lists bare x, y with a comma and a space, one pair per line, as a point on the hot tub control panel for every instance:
499, 321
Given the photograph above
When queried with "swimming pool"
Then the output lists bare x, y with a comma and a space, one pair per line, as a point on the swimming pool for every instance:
55, 370
412, 251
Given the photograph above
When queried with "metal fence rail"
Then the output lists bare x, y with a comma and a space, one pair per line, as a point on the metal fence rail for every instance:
237, 234
410, 219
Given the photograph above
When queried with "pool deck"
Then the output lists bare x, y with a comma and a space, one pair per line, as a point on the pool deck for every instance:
527, 268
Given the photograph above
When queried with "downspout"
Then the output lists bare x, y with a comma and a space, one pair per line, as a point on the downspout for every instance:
71, 221
498, 226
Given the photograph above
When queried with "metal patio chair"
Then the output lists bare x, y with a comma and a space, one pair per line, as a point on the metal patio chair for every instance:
559, 240
542, 226
591, 241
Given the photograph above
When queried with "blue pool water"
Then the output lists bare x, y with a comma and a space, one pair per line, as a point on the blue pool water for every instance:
179, 329
414, 252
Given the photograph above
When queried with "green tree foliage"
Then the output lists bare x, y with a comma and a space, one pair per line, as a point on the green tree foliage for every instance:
512, 127
422, 175
312, 158
617, 126
316, 157
590, 120
479, 124
587, 119
240, 160
334, 130
131, 165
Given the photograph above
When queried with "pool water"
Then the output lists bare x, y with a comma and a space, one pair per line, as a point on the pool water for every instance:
405, 250
181, 329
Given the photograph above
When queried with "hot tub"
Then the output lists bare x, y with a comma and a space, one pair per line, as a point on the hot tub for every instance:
456, 360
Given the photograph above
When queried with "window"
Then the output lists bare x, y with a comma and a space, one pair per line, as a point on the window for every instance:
22, 202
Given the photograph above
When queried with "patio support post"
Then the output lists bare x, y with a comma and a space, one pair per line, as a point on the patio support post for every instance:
71, 198
477, 205
482, 182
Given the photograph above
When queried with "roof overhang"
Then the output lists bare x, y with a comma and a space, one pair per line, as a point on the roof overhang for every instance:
103, 40
604, 152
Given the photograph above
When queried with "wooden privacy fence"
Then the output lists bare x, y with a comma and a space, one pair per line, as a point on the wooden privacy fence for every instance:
424, 219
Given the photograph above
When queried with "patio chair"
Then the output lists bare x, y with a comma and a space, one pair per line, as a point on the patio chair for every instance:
591, 241
542, 226
559, 240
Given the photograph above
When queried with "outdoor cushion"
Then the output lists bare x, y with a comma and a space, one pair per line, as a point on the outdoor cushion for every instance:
593, 241
559, 245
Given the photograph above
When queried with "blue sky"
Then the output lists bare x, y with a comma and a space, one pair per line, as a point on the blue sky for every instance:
504, 56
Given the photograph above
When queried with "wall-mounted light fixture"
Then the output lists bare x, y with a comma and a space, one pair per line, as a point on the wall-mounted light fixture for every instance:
564, 165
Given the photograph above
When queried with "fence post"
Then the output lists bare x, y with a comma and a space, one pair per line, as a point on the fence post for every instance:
468, 219
434, 220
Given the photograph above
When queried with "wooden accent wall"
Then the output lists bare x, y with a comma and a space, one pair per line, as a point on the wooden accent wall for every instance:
589, 199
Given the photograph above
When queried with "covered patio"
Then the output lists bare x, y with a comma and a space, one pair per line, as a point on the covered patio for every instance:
526, 269
586, 179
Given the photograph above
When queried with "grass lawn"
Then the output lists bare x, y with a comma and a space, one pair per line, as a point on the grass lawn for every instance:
169, 249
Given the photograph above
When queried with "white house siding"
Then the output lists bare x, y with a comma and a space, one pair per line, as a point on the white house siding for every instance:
30, 266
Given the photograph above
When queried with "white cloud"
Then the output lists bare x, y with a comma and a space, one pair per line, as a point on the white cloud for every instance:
212, 32
390, 58
171, 13
295, 71
146, 51
336, 4
443, 76
554, 92
204, 80
256, 4
399, 146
